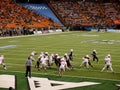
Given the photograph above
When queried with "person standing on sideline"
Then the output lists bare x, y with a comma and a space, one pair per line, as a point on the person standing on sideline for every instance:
2, 59
28, 67
94, 55
108, 64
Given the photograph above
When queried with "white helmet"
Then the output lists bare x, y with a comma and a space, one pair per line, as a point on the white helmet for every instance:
46, 52
56, 54
87, 55
65, 54
108, 55
94, 50
33, 53
71, 50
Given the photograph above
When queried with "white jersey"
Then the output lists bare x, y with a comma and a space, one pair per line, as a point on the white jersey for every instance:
41, 56
85, 62
63, 64
51, 59
107, 60
44, 61
63, 59
85, 59
1, 59
107, 63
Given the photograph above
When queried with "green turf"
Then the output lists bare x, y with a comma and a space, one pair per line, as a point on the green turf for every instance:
105, 84
82, 42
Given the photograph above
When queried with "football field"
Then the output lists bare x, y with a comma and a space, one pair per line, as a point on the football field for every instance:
17, 49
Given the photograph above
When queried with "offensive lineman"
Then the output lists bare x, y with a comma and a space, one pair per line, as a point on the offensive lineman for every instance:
63, 66
85, 61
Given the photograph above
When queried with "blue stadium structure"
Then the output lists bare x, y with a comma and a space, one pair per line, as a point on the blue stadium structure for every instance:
42, 9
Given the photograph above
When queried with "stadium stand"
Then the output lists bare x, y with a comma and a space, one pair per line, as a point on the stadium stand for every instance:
87, 13
74, 14
14, 16
68, 12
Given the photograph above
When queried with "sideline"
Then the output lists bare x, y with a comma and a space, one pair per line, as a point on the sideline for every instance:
64, 75
8, 37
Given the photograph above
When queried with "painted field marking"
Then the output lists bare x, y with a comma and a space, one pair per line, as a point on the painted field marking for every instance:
8, 46
102, 41
36, 83
89, 35
7, 81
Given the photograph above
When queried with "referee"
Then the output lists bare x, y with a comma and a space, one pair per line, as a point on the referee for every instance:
28, 67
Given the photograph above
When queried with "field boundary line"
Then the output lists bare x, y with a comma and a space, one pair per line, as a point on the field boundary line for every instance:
65, 75
8, 37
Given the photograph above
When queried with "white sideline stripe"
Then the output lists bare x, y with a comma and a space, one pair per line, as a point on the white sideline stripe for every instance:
74, 76
31, 35
7, 81
66, 75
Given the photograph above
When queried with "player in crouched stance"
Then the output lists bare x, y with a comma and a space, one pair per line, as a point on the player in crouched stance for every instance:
63, 66
44, 61
51, 60
108, 64
2, 59
86, 62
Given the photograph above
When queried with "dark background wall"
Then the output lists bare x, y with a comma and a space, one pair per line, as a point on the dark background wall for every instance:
43, 1
31, 1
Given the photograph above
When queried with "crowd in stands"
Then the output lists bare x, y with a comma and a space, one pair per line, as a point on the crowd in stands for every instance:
87, 12
67, 10
93, 12
112, 10
14, 17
